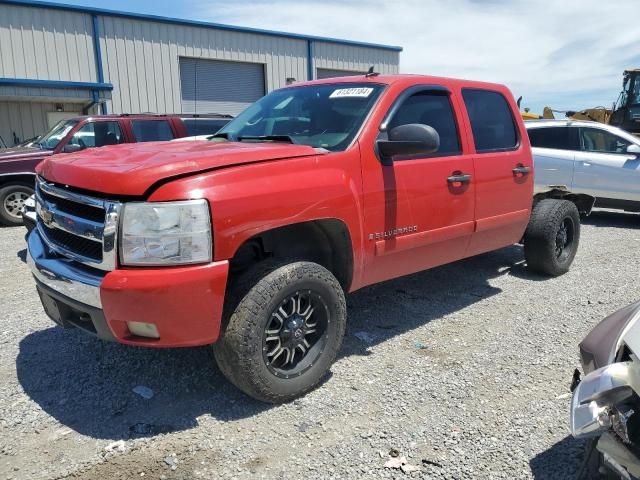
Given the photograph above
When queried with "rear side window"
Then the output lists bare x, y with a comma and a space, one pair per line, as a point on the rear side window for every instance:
151, 130
560, 138
492, 123
434, 110
203, 126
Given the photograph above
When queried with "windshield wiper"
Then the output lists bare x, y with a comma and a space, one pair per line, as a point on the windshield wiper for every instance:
220, 135
267, 138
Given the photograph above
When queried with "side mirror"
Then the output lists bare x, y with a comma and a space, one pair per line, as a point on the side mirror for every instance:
71, 148
410, 139
633, 148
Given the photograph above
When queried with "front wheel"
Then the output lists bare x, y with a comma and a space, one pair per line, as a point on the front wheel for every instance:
12, 199
552, 236
285, 332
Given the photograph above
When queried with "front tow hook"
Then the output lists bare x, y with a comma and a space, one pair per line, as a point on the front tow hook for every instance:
575, 381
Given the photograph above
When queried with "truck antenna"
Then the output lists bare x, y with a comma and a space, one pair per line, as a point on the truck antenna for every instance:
371, 73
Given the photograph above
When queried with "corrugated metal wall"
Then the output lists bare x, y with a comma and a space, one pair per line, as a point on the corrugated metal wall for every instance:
355, 58
141, 59
46, 44
322, 73
27, 119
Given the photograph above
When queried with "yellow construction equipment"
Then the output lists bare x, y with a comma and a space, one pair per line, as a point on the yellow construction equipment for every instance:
624, 114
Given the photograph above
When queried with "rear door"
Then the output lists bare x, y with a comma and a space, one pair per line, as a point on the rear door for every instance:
604, 169
202, 126
152, 130
554, 151
503, 169
416, 216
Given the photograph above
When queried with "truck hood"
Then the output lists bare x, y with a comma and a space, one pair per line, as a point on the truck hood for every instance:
20, 153
131, 169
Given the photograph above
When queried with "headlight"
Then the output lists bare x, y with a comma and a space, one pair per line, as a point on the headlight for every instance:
166, 233
598, 394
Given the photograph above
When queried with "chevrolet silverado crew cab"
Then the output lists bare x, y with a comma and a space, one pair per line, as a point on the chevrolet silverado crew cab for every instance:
249, 241
17, 164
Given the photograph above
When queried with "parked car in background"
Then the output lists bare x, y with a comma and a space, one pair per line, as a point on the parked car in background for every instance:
17, 164
195, 138
605, 407
587, 158
29, 213
249, 241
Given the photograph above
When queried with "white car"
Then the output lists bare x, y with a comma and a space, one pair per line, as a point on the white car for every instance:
587, 158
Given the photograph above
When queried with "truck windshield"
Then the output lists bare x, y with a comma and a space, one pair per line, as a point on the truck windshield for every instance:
326, 116
52, 138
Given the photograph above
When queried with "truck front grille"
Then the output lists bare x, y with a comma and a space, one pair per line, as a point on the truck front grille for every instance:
89, 212
77, 226
82, 246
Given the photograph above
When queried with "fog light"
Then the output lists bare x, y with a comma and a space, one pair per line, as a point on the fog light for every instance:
143, 329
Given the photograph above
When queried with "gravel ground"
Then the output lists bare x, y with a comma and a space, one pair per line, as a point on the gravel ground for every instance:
464, 370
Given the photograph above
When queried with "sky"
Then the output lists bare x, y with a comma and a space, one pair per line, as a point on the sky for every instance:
568, 54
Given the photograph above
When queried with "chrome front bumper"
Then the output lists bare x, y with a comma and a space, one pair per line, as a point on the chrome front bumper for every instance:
62, 274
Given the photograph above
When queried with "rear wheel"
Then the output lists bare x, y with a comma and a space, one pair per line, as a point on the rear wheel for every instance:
552, 237
12, 199
284, 333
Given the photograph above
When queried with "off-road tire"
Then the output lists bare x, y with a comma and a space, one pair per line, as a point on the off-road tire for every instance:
5, 191
540, 238
252, 300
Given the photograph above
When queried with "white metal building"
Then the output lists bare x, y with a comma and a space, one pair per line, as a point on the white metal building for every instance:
60, 60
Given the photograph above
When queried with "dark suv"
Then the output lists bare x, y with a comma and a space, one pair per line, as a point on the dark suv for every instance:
17, 164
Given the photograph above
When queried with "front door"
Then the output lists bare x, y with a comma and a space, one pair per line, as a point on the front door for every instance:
604, 169
503, 170
419, 211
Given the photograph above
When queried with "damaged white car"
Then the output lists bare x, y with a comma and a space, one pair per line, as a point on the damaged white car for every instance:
606, 402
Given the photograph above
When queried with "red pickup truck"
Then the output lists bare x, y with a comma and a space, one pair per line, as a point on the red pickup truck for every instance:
250, 241
17, 164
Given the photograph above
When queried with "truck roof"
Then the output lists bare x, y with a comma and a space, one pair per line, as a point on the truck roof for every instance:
406, 80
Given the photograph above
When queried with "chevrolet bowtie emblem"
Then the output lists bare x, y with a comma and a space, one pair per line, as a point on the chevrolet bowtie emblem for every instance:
46, 216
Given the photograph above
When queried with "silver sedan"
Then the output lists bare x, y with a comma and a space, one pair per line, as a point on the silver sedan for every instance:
587, 158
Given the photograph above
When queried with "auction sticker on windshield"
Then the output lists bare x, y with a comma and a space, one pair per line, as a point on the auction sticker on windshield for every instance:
351, 92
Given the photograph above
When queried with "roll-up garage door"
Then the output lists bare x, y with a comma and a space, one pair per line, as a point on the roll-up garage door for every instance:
216, 86
329, 73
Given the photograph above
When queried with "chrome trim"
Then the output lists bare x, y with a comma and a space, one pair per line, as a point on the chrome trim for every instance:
67, 222
105, 233
62, 274
13, 174
74, 197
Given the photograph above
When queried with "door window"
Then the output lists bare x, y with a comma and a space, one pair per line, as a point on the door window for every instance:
433, 109
97, 134
492, 123
151, 130
203, 126
601, 141
560, 138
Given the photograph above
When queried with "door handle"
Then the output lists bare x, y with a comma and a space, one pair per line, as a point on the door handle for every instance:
521, 170
459, 178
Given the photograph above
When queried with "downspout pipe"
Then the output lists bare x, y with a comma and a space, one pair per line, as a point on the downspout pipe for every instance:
98, 55
310, 60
